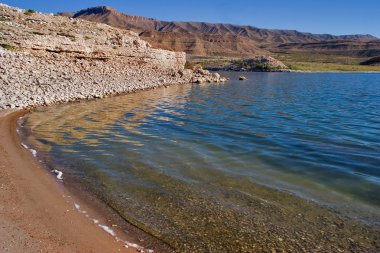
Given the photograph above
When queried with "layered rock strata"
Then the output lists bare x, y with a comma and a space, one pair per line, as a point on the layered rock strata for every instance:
47, 59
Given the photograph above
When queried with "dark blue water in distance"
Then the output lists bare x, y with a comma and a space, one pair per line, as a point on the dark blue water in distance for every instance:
315, 135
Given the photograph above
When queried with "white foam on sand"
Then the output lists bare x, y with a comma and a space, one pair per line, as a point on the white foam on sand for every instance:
107, 229
110, 231
58, 173
34, 152
134, 245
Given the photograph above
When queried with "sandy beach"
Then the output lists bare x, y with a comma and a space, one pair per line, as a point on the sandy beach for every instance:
37, 214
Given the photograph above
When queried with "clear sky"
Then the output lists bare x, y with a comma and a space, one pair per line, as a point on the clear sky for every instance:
316, 16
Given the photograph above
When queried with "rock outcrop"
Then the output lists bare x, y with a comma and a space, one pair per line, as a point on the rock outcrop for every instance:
48, 59
258, 63
375, 61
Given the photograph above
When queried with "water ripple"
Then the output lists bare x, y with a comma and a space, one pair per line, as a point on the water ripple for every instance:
317, 135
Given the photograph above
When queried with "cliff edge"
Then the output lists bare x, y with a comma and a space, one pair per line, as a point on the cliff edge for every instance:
47, 59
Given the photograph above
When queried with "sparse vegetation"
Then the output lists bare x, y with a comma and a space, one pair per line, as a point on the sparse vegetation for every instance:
323, 62
331, 67
29, 12
316, 57
7, 46
298, 61
70, 36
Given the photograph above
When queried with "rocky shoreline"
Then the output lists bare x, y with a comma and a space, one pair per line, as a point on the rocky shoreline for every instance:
46, 59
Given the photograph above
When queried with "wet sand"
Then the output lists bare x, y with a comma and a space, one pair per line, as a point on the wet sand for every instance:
36, 213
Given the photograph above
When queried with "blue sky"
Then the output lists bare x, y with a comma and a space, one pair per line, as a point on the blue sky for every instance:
317, 16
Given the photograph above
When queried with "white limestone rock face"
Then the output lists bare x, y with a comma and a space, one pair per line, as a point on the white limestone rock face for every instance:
47, 59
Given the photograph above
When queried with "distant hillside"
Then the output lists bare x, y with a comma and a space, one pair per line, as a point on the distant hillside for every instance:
347, 47
202, 39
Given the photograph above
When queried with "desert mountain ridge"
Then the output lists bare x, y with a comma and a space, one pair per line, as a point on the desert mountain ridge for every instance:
207, 39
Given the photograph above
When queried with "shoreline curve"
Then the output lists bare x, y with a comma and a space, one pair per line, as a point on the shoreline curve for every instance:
39, 214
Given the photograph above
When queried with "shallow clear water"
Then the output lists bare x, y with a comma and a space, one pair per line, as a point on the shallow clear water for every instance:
156, 154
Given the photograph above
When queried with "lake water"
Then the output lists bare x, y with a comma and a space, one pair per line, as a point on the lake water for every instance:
184, 162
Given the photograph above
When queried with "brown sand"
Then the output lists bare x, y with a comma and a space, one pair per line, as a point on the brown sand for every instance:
36, 214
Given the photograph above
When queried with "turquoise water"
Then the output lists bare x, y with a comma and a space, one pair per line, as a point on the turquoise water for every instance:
156, 154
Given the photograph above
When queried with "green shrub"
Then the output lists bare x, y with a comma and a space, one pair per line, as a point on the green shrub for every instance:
29, 12
71, 37
7, 46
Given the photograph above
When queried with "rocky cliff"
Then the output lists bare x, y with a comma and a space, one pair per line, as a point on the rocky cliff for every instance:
47, 59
